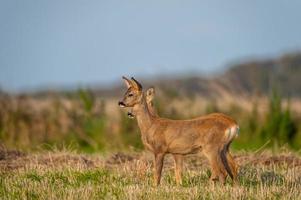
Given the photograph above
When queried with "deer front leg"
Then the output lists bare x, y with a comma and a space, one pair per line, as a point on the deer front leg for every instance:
178, 168
158, 167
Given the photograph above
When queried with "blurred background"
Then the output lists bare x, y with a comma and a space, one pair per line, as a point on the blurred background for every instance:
61, 64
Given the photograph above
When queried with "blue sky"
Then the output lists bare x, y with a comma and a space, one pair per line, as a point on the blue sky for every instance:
76, 42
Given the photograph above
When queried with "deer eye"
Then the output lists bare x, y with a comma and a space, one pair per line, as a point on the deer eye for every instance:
130, 95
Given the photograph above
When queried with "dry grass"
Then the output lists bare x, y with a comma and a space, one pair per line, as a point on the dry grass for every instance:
67, 175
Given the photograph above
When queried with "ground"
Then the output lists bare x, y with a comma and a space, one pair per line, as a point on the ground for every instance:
70, 175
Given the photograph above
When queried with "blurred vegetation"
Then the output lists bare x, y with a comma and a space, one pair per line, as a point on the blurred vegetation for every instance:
82, 122
88, 127
276, 129
279, 126
130, 132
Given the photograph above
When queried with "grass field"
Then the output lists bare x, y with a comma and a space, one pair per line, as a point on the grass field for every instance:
69, 175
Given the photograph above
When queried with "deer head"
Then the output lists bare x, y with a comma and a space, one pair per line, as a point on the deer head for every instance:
150, 94
133, 95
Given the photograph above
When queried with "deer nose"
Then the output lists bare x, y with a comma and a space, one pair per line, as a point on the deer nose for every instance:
121, 104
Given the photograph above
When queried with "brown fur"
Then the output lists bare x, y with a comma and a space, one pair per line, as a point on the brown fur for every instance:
212, 134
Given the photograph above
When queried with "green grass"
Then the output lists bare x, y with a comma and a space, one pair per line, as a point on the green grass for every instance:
36, 179
102, 184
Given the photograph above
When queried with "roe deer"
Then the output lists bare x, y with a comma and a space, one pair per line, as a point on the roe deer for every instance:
212, 134
229, 163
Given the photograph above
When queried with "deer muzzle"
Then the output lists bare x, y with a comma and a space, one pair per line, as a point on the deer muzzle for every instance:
121, 104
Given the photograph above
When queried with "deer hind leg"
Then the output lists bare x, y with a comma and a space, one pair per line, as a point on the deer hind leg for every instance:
158, 167
221, 172
217, 167
229, 163
233, 166
178, 168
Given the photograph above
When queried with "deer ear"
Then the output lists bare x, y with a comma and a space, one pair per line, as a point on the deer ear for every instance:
136, 84
127, 81
150, 91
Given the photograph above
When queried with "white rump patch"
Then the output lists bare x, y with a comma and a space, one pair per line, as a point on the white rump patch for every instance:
232, 132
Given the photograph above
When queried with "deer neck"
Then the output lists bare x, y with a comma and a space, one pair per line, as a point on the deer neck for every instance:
143, 115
